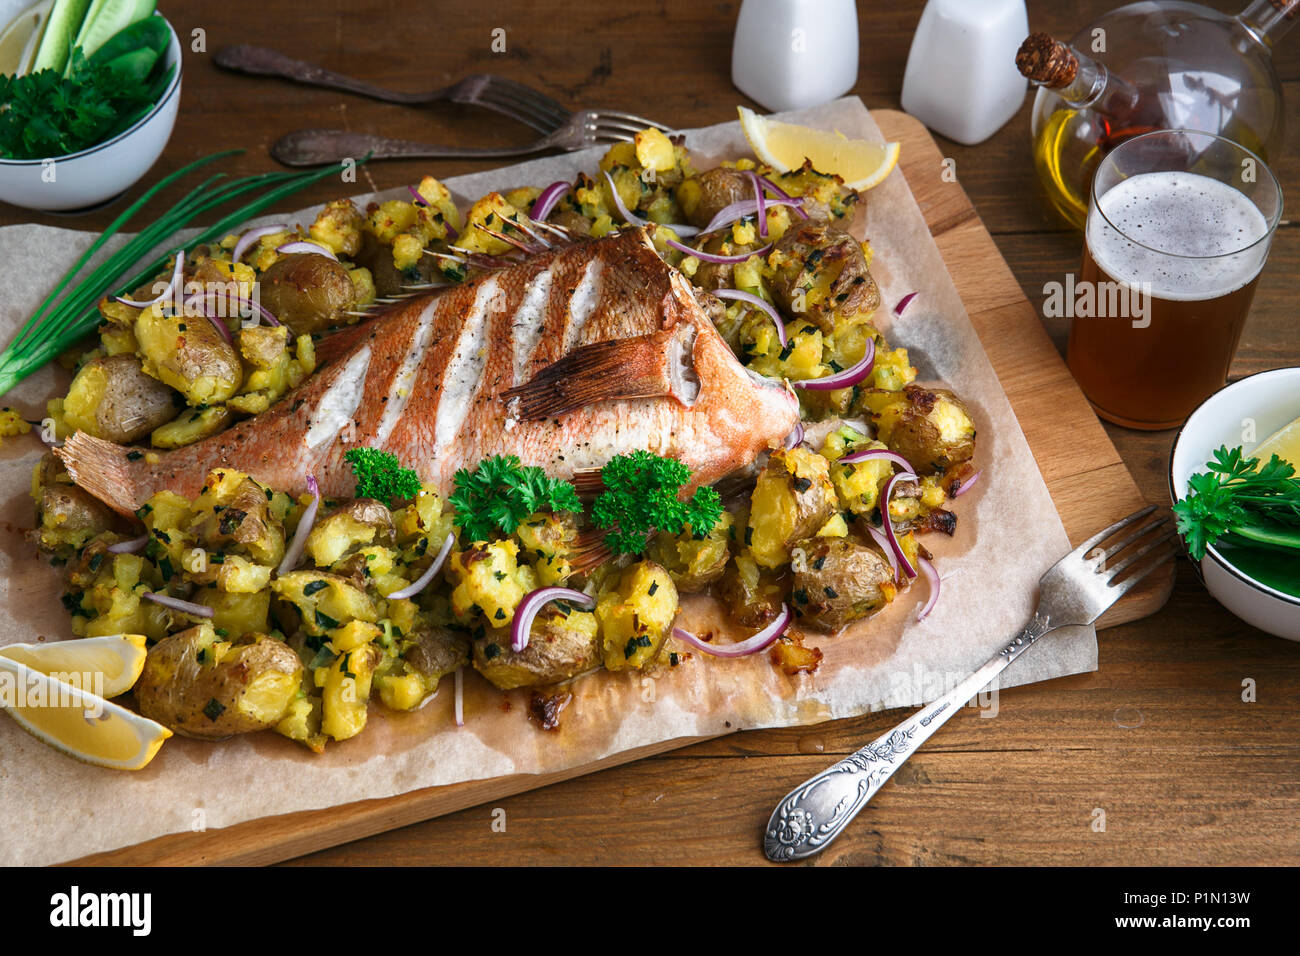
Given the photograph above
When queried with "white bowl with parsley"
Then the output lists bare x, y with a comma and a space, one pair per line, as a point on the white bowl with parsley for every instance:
1248, 519
97, 173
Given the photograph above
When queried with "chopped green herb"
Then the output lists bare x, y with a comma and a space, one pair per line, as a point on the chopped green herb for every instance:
311, 587
213, 709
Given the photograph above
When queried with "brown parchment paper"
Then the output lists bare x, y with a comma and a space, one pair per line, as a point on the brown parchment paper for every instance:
1008, 533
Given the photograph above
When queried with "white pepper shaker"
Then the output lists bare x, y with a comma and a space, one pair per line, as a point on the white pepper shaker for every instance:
788, 54
961, 77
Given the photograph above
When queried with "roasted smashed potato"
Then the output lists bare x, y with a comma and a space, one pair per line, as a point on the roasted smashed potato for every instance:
307, 292
931, 428
838, 581
792, 499
203, 687
561, 644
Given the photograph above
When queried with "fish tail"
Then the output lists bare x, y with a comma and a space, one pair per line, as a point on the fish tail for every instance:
103, 469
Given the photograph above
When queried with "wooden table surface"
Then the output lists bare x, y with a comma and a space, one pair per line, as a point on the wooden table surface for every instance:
1158, 743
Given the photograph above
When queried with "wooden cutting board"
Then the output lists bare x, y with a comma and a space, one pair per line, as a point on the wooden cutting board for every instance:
1088, 481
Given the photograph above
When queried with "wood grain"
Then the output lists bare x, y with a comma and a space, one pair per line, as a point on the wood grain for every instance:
1203, 778
1042, 393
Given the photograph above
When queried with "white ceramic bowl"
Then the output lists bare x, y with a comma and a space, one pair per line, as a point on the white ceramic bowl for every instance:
101, 172
1271, 399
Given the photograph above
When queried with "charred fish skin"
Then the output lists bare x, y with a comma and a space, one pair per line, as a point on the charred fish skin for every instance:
567, 359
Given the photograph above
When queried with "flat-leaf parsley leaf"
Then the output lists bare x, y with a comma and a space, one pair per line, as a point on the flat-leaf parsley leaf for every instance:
500, 493
642, 496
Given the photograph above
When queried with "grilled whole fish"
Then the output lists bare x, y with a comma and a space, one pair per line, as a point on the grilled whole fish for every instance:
578, 354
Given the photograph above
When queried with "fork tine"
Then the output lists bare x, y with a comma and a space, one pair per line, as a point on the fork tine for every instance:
1105, 533
641, 121
1130, 582
515, 107
1146, 528
603, 136
602, 122
544, 105
1119, 569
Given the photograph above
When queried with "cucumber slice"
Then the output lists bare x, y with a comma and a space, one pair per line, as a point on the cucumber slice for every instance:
144, 8
66, 18
103, 19
148, 34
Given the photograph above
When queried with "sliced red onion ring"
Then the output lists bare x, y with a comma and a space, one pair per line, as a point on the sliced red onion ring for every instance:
782, 194
252, 235
129, 547
308, 247
532, 603
903, 303
869, 453
628, 216
758, 303
166, 293
419, 200
932, 576
965, 486
745, 207
423, 580
850, 376
547, 199
176, 604
716, 259
878, 536
759, 209
751, 645
204, 295
299, 541
795, 437
460, 697
888, 523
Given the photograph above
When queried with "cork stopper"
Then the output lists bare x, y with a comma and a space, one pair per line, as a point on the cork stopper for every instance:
1046, 61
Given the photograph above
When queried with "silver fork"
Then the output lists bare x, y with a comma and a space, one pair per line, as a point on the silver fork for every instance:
1074, 591
505, 96
312, 147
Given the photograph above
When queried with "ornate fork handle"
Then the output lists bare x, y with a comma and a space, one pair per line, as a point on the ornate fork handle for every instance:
814, 813
314, 147
263, 61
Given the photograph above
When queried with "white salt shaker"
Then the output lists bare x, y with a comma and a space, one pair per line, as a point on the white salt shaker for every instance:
961, 77
788, 54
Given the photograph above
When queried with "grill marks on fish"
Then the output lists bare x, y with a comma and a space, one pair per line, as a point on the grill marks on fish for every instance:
529, 321
428, 380
340, 401
463, 375
399, 391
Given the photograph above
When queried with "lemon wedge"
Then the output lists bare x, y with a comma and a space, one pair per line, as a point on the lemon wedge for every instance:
19, 39
119, 658
1285, 443
77, 722
784, 146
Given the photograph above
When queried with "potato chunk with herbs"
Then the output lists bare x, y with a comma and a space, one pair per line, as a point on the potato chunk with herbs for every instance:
561, 644
636, 616
792, 499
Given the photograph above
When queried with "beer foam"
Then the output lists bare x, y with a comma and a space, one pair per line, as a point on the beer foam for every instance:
1180, 214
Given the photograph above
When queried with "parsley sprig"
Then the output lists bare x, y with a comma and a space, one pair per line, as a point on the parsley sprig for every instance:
643, 495
1242, 499
381, 476
500, 493
46, 114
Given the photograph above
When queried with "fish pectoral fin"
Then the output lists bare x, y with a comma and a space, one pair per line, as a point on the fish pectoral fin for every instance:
646, 366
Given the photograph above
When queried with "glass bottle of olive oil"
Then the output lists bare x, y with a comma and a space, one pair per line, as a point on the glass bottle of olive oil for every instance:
1146, 66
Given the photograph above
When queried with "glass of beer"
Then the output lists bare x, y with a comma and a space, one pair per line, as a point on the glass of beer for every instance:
1179, 225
